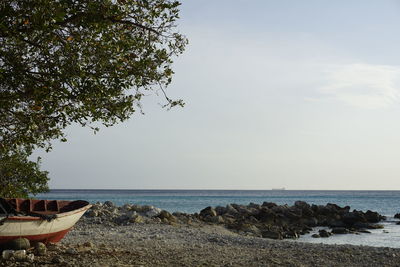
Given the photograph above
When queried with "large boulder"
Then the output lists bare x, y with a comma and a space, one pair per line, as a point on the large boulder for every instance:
208, 212
350, 218
231, 210
373, 217
266, 215
152, 212
220, 210
18, 244
165, 216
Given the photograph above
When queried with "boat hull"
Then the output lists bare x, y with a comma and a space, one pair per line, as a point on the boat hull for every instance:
38, 229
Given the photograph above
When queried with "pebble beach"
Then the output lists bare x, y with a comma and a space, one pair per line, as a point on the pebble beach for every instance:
157, 244
117, 236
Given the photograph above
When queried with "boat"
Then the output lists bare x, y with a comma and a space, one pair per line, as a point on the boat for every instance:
46, 221
278, 189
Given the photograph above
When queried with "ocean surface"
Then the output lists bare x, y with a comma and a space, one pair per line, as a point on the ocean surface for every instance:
191, 201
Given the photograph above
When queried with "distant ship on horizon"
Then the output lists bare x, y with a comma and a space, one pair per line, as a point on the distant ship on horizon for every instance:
278, 189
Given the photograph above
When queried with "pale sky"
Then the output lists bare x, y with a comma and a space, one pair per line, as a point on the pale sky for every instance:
295, 94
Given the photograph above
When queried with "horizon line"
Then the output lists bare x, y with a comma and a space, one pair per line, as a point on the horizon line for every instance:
180, 189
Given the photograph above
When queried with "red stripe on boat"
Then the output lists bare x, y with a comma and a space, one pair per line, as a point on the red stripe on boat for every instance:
45, 238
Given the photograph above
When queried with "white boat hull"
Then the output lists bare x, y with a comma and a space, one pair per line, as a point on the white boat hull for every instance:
38, 229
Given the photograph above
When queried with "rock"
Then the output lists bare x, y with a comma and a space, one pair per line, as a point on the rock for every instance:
157, 220
165, 215
217, 219
40, 249
253, 220
71, 251
324, 233
311, 222
302, 205
364, 231
304, 232
271, 234
92, 213
20, 255
88, 244
145, 208
252, 229
340, 230
266, 215
375, 226
57, 259
373, 217
153, 212
126, 207
316, 236
137, 219
228, 219
18, 244
220, 210
336, 223
123, 219
7, 254
209, 211
350, 218
360, 225
269, 205
397, 215
109, 204
254, 206
230, 210
291, 234
179, 214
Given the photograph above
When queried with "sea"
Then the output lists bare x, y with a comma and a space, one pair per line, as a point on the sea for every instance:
191, 201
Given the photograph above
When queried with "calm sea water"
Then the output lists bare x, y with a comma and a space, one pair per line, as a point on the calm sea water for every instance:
191, 201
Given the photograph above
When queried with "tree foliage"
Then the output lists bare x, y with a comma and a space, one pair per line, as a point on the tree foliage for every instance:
20, 177
79, 61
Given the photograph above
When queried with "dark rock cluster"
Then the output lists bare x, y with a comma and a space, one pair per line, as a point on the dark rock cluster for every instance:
274, 221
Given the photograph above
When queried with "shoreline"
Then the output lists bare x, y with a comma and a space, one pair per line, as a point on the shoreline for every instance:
159, 244
134, 235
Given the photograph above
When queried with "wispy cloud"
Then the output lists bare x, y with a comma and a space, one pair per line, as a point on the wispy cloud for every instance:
364, 85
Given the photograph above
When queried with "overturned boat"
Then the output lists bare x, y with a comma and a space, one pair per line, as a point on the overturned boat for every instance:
46, 221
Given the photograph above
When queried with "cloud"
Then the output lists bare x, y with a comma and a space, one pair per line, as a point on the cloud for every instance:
363, 85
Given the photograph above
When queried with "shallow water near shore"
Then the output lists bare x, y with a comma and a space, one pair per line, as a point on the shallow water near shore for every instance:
191, 201
389, 236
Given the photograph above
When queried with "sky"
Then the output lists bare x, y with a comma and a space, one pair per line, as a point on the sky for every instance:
297, 94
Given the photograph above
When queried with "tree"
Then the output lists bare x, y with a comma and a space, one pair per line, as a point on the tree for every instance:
20, 177
80, 61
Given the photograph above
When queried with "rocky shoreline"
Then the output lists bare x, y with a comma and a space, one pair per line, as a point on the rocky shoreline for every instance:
267, 220
235, 235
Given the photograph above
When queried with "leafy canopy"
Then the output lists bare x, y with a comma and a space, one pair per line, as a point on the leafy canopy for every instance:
20, 177
78, 61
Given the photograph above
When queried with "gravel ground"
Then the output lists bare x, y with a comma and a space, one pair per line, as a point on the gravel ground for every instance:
156, 244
